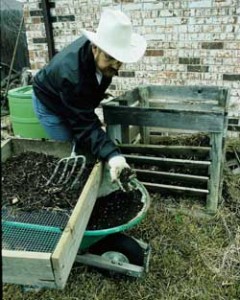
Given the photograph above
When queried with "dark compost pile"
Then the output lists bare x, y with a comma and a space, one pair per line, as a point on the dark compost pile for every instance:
24, 179
24, 188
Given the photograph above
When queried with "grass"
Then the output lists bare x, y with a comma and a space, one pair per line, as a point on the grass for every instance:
192, 258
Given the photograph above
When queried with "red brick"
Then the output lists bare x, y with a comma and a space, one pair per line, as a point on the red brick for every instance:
154, 53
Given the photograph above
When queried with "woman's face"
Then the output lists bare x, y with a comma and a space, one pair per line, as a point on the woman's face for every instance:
108, 65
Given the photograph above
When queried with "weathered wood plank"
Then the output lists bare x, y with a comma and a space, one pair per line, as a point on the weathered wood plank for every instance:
50, 147
200, 152
190, 105
188, 92
206, 94
205, 122
224, 98
158, 175
27, 268
156, 132
175, 189
6, 150
215, 172
158, 161
69, 243
183, 101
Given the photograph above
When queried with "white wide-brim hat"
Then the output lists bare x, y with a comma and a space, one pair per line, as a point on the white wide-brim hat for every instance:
115, 37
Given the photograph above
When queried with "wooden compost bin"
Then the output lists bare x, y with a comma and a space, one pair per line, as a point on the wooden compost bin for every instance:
169, 109
50, 270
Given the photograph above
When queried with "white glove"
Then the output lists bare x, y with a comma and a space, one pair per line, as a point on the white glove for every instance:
117, 164
107, 186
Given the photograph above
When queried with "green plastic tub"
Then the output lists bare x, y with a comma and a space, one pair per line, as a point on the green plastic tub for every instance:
24, 121
92, 236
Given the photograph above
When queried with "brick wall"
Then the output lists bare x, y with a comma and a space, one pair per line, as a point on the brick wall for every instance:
190, 42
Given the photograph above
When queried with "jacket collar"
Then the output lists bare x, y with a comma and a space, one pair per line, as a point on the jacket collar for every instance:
88, 64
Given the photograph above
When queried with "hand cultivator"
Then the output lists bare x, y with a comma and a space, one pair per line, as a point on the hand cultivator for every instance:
67, 168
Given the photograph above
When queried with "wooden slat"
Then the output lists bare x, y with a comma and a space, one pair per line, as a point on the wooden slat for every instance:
175, 189
6, 150
165, 150
158, 161
182, 119
27, 268
69, 243
190, 101
180, 93
142, 174
190, 105
189, 92
50, 147
171, 131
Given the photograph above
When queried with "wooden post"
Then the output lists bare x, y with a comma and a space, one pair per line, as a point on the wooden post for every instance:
216, 153
114, 131
144, 102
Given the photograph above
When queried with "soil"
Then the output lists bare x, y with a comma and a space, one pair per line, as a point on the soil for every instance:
24, 188
125, 177
24, 179
115, 209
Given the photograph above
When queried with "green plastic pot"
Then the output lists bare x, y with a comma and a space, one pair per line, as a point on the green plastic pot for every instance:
92, 236
24, 121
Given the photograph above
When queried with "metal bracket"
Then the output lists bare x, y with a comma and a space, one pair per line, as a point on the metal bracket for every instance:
121, 267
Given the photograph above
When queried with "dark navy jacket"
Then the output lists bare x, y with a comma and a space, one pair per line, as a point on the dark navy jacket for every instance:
68, 87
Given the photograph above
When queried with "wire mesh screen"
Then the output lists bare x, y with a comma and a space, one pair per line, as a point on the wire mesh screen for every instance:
32, 231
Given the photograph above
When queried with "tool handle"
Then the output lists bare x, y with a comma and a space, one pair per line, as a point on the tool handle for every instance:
73, 153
